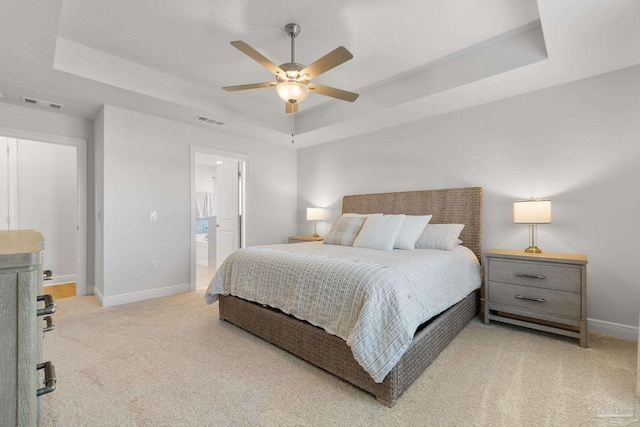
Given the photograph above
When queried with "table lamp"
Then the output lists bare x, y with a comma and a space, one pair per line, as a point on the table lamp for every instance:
532, 212
315, 215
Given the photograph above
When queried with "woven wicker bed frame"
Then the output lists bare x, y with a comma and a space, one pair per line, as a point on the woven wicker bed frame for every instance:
456, 206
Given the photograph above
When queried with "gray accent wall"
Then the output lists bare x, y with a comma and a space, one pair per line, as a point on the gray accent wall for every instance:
577, 144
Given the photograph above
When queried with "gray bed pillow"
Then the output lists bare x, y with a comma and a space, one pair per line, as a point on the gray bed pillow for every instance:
344, 231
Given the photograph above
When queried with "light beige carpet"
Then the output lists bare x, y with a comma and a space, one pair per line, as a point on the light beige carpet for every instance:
171, 362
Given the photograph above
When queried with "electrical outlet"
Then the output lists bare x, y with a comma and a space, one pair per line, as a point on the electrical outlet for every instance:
153, 216
153, 265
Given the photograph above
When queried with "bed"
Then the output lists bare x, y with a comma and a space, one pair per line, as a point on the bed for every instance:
331, 352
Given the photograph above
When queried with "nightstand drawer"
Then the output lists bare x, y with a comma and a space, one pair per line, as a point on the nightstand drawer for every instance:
549, 301
539, 275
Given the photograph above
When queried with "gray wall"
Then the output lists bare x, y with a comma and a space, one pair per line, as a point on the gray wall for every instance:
146, 167
47, 195
577, 144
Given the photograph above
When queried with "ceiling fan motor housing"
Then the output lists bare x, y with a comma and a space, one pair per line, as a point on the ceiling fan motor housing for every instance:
291, 72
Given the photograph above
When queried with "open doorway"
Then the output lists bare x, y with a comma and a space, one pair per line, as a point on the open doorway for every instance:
217, 210
44, 189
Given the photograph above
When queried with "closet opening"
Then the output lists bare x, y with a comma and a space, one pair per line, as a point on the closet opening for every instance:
42, 187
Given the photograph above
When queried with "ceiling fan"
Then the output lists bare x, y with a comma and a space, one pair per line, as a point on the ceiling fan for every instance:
292, 79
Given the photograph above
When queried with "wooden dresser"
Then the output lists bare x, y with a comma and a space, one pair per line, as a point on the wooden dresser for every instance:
23, 312
545, 291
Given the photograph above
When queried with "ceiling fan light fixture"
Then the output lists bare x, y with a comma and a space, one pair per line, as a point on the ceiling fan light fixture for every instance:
292, 91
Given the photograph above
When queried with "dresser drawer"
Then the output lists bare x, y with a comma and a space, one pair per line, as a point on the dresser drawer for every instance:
566, 304
540, 275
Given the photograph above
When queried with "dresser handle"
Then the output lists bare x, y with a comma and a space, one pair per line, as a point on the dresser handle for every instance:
531, 276
49, 378
49, 305
50, 325
530, 299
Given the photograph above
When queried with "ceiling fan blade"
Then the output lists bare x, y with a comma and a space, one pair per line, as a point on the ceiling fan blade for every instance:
256, 56
333, 92
249, 86
290, 107
327, 62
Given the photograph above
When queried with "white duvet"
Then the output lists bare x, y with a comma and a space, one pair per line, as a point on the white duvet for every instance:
374, 300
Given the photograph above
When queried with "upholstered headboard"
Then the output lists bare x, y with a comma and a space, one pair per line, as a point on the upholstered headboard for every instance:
448, 206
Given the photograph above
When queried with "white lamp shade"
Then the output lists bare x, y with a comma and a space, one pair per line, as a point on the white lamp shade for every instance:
292, 91
315, 214
532, 212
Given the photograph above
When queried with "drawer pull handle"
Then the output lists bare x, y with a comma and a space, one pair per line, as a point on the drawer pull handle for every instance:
531, 276
49, 378
50, 325
530, 298
49, 305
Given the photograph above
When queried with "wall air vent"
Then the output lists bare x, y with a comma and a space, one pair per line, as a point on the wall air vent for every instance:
208, 120
42, 103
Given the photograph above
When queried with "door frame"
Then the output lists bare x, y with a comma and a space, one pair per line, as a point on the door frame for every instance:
243, 160
81, 188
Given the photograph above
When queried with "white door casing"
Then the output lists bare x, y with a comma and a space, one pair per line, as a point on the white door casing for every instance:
240, 159
228, 224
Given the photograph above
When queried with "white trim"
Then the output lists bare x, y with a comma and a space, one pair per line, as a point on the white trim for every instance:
81, 162
208, 151
98, 295
618, 330
141, 295
60, 280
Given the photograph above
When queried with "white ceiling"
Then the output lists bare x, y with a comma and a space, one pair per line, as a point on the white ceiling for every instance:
412, 59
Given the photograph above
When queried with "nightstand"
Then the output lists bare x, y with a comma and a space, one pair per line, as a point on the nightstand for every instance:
545, 291
303, 239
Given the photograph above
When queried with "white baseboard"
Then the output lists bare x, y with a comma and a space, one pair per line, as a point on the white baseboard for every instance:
111, 301
618, 330
98, 295
59, 280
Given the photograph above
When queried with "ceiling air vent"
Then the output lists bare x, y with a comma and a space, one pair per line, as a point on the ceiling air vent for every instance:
42, 103
208, 120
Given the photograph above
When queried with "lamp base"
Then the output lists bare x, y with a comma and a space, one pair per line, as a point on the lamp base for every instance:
533, 250
315, 235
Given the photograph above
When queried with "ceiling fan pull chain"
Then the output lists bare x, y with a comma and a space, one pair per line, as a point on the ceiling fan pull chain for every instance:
292, 127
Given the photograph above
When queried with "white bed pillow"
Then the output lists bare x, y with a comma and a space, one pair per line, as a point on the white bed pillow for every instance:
344, 231
379, 232
439, 236
410, 232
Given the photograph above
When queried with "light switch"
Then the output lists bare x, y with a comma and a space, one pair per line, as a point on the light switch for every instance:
153, 216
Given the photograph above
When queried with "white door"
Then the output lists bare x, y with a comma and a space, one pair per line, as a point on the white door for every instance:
227, 210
